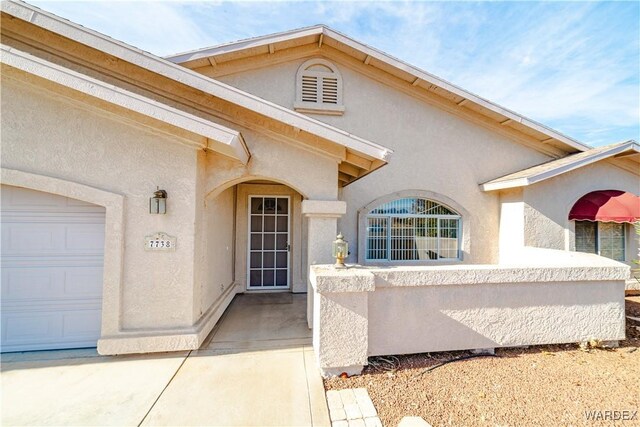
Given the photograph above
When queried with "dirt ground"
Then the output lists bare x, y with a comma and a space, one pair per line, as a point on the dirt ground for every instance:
538, 386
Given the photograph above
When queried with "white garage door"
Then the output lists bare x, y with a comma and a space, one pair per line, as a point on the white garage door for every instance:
52, 257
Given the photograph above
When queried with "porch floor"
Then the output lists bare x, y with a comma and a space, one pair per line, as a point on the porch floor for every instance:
260, 322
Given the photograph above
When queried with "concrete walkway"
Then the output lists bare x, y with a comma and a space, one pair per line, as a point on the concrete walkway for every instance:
256, 368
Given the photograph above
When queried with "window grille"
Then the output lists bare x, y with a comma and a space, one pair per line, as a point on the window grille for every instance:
412, 229
319, 88
603, 238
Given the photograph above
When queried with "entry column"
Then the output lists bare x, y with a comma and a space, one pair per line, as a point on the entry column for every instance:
321, 232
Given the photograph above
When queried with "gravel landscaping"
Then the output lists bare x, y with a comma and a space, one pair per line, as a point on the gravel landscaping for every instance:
536, 386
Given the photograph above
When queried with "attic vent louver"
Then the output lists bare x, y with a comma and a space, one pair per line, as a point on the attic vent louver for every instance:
319, 88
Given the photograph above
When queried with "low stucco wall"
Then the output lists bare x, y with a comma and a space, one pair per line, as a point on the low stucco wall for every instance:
361, 312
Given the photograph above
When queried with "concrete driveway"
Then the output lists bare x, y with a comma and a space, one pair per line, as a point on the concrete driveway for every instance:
257, 368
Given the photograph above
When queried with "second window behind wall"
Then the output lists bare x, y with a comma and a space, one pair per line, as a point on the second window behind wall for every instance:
602, 238
412, 229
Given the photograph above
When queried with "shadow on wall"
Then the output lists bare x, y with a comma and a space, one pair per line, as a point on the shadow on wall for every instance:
457, 317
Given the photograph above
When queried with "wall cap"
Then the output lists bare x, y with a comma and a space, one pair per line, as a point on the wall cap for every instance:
324, 208
328, 279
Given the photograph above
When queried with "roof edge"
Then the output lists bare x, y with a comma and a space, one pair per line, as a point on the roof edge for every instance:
375, 53
611, 150
165, 68
220, 138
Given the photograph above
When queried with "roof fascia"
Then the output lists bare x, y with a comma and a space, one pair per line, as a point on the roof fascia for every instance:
431, 79
239, 45
542, 176
196, 80
219, 138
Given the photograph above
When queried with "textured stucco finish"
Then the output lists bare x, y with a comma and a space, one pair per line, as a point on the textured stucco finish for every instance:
434, 318
422, 154
322, 225
555, 297
153, 301
344, 343
546, 223
58, 138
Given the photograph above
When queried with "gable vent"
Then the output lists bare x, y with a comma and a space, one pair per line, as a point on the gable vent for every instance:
319, 88
309, 89
330, 90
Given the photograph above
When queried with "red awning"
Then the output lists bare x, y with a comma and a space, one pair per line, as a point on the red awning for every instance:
607, 206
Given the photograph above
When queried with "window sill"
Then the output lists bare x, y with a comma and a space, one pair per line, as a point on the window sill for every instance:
324, 109
424, 263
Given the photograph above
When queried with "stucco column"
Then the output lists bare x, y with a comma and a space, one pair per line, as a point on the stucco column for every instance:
511, 235
341, 313
322, 228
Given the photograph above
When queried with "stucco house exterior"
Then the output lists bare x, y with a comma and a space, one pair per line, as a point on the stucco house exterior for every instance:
469, 225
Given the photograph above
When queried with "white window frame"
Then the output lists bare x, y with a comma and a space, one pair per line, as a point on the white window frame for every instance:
319, 107
389, 218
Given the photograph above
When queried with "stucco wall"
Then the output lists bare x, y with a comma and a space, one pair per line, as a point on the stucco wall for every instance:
546, 223
445, 318
219, 220
434, 150
312, 175
48, 135
549, 297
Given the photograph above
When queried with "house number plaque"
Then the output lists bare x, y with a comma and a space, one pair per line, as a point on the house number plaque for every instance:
160, 242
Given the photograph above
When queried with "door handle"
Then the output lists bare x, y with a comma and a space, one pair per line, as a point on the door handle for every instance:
288, 247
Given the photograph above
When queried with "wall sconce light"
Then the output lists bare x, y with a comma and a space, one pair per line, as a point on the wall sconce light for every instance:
340, 251
158, 203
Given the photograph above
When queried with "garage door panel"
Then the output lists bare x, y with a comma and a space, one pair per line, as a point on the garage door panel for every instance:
23, 199
52, 265
16, 197
50, 283
57, 328
42, 239
83, 281
88, 238
21, 328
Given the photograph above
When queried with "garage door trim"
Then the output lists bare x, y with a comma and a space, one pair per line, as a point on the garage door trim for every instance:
114, 229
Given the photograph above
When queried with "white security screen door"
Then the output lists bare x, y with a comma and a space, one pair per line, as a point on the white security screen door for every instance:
268, 243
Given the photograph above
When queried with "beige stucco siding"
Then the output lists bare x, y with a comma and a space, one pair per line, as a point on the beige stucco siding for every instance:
547, 205
47, 135
311, 174
433, 150
220, 247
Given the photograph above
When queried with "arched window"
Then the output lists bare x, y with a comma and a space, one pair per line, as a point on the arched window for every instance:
319, 88
412, 229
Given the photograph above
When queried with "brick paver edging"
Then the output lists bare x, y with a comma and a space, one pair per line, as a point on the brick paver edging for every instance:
352, 407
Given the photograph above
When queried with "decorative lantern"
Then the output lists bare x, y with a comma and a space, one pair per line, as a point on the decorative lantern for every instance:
158, 203
340, 251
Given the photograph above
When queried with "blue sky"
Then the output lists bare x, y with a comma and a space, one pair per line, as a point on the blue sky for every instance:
573, 66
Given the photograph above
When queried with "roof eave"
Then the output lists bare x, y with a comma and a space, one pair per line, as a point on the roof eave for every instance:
220, 138
502, 184
93, 39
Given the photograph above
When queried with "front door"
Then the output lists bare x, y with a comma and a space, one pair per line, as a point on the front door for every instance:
268, 243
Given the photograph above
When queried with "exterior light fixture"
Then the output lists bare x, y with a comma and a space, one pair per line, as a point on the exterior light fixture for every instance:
340, 251
158, 203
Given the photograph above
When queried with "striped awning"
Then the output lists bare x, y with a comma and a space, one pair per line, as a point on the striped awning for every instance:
607, 206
